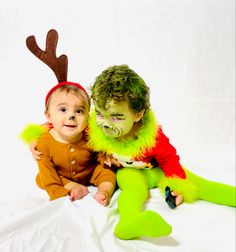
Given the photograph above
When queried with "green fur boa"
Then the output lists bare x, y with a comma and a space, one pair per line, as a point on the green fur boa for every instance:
132, 147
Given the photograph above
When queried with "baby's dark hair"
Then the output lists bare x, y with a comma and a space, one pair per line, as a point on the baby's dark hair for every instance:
70, 89
121, 84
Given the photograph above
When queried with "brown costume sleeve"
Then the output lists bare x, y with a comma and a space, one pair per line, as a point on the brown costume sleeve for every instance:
65, 181
48, 178
102, 174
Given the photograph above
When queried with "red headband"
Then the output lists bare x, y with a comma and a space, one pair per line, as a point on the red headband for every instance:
63, 84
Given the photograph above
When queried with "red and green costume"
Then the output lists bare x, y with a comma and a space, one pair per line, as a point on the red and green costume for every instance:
149, 160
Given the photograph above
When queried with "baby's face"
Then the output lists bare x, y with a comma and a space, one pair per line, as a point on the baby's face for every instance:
68, 114
118, 120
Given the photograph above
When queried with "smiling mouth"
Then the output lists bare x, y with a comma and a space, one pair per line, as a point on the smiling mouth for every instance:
70, 126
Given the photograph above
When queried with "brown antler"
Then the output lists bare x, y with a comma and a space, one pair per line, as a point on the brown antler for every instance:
58, 65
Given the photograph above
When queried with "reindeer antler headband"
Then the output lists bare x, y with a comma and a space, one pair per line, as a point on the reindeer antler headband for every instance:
59, 65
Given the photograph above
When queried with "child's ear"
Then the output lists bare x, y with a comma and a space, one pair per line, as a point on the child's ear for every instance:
139, 115
46, 113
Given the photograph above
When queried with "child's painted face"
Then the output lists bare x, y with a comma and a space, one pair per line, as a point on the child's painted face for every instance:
118, 120
68, 114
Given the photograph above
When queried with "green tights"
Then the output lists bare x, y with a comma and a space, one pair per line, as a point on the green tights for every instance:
135, 185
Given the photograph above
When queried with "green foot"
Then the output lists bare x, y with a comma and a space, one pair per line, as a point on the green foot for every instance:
148, 223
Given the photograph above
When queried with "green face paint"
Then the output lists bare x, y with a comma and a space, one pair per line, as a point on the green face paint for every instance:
118, 120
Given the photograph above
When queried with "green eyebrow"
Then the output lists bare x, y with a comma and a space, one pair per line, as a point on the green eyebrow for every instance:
117, 114
112, 114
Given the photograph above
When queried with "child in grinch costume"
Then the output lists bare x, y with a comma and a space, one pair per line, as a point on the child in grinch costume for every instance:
123, 125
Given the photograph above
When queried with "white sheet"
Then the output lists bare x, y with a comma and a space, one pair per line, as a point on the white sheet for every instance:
36, 225
184, 50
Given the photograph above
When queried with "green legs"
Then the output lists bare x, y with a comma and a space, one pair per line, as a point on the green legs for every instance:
214, 192
134, 222
135, 185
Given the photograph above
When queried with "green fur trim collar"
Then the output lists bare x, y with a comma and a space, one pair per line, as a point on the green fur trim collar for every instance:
133, 147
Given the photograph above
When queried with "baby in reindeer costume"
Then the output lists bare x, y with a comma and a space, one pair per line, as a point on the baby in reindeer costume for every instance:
123, 125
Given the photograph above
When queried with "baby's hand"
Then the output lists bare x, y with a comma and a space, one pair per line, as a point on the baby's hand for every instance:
78, 193
179, 198
102, 198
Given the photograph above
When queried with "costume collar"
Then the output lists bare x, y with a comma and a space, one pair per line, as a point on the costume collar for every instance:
146, 138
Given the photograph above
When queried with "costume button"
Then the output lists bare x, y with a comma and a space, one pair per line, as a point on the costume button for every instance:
72, 162
72, 149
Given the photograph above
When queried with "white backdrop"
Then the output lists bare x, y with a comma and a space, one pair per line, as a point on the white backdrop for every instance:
184, 50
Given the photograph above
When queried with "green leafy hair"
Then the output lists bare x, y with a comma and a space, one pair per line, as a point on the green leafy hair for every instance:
121, 84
